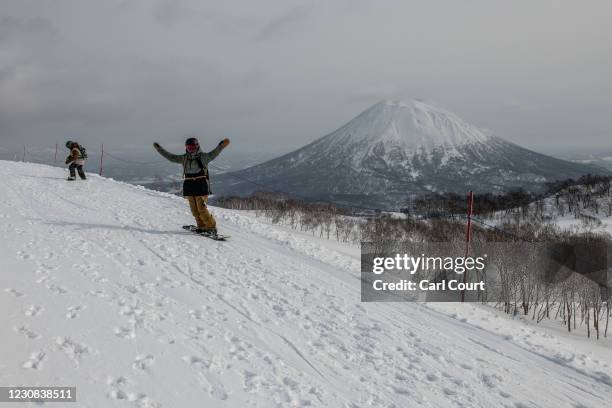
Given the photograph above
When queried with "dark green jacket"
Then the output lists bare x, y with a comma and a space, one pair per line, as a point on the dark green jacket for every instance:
190, 161
196, 181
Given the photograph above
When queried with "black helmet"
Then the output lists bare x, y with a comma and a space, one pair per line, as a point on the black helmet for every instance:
69, 144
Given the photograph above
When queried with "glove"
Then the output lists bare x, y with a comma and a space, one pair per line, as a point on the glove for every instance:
224, 143
156, 145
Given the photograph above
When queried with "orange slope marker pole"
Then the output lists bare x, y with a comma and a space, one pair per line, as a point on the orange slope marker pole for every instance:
102, 159
468, 236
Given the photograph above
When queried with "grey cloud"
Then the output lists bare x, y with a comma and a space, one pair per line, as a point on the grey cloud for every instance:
287, 22
173, 12
167, 11
27, 31
280, 73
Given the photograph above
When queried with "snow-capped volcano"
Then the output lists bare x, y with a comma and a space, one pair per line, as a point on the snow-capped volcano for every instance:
402, 129
395, 150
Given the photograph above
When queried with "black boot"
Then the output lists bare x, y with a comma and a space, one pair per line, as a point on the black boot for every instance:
71, 168
81, 173
207, 231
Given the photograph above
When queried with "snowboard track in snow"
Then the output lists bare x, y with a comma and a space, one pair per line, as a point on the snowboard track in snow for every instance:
105, 291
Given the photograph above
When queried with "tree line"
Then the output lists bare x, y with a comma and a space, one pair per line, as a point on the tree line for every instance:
575, 300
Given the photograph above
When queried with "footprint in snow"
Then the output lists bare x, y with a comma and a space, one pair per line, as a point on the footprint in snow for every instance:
207, 379
35, 361
432, 377
50, 255
29, 334
14, 292
489, 380
24, 255
97, 293
33, 310
143, 362
118, 395
43, 279
117, 381
124, 333
73, 350
73, 312
197, 362
131, 311
44, 269
58, 290
140, 400
251, 381
196, 314
400, 390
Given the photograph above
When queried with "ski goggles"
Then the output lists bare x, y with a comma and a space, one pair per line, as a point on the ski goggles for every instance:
192, 148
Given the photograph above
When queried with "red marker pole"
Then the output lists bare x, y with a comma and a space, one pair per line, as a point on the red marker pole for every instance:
102, 159
468, 236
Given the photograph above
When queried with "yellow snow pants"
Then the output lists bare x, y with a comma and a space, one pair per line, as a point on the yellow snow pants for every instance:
203, 217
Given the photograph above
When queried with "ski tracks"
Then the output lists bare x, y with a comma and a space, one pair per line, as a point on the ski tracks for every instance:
137, 312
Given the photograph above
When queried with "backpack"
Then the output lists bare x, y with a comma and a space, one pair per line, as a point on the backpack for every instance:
202, 167
83, 152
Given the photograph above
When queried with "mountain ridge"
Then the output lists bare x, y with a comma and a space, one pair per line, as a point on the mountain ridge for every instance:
395, 150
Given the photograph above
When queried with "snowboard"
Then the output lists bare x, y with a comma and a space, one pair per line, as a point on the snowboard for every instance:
216, 237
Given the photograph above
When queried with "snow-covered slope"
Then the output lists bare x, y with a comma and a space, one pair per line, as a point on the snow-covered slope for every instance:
397, 149
100, 288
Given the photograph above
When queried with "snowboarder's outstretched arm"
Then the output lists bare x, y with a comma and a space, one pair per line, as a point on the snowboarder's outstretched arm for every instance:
176, 158
210, 156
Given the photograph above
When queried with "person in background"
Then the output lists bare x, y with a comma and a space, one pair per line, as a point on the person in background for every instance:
76, 160
196, 184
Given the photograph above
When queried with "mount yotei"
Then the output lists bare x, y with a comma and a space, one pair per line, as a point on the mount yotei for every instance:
396, 150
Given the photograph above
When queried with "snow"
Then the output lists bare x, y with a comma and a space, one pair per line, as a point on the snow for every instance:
102, 290
410, 127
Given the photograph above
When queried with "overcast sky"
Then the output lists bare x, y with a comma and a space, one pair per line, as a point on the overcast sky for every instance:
275, 74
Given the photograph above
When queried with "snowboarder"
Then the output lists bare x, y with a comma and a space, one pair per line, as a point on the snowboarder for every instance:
76, 159
196, 183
